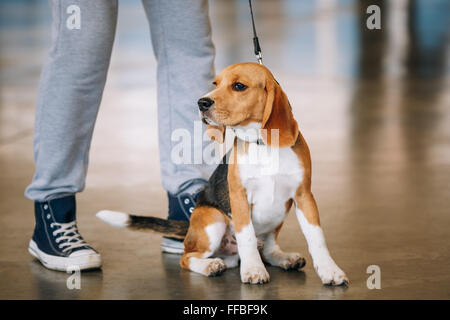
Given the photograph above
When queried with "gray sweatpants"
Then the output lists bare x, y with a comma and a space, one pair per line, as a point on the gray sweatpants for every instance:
74, 76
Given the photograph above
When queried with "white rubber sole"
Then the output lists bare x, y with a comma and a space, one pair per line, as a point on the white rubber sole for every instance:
172, 246
89, 260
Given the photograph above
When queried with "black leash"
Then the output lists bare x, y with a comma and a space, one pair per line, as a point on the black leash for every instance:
255, 37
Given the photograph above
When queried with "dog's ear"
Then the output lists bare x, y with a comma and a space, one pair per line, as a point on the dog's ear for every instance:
278, 115
216, 133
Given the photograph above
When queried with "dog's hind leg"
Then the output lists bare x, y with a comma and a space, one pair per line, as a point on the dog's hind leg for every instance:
204, 237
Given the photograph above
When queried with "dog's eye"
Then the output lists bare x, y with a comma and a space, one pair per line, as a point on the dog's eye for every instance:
215, 83
237, 86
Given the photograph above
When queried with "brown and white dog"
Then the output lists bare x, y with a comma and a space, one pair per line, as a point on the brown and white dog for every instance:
248, 196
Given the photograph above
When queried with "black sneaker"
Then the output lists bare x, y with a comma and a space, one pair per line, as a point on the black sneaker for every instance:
181, 207
56, 242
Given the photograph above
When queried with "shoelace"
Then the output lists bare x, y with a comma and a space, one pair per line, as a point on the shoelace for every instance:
70, 241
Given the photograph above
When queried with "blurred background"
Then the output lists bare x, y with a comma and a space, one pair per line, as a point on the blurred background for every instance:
373, 105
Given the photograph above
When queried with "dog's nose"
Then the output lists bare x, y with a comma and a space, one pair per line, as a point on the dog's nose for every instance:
204, 104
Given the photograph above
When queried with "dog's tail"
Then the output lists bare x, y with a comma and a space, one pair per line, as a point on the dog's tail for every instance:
170, 228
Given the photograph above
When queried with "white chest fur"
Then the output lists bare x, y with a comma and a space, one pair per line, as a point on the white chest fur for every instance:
271, 177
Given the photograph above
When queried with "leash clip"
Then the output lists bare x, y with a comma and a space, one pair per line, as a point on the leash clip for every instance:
259, 57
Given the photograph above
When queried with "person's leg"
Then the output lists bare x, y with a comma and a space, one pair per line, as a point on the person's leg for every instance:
181, 38
69, 95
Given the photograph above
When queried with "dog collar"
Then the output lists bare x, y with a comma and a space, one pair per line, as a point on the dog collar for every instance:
259, 141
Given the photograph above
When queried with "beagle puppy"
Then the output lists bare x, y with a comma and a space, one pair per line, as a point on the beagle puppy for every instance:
240, 213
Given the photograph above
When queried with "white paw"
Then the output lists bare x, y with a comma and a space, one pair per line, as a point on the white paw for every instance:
215, 267
254, 274
292, 261
331, 274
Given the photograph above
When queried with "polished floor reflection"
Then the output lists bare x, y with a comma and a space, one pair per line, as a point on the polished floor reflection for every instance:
374, 107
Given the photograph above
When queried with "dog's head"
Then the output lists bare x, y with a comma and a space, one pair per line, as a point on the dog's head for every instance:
247, 95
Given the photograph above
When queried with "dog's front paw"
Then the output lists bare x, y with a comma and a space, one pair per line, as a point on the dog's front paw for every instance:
292, 261
215, 267
254, 274
331, 274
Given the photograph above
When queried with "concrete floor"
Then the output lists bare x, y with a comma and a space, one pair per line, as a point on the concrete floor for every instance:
374, 107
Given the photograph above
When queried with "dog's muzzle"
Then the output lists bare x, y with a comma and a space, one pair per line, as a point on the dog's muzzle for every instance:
204, 104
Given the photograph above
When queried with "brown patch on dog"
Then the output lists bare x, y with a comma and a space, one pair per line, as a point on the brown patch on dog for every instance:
240, 210
307, 204
278, 116
197, 239
303, 197
196, 243
301, 149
